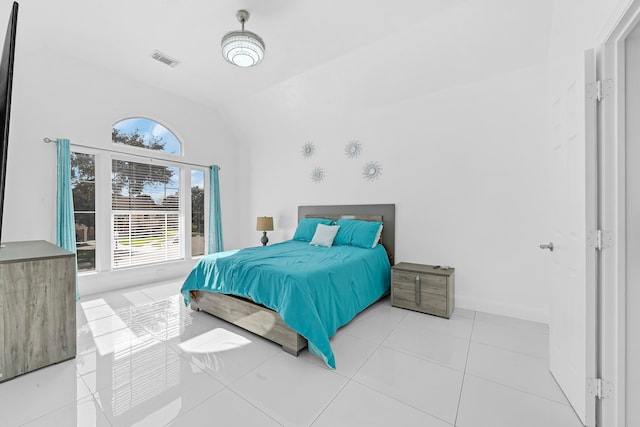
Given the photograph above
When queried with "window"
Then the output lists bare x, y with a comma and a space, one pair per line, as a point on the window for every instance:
144, 133
130, 205
197, 212
83, 184
146, 213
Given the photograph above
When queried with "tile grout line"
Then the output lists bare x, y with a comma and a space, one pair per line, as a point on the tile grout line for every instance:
400, 401
253, 405
47, 414
464, 372
351, 378
426, 358
519, 390
225, 386
236, 394
511, 350
522, 327
520, 354
381, 345
331, 401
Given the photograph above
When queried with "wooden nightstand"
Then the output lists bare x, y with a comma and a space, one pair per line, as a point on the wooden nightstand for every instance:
423, 288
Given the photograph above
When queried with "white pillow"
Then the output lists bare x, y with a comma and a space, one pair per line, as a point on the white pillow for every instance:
377, 239
324, 235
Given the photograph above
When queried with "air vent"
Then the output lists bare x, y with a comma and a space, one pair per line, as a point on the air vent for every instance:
165, 59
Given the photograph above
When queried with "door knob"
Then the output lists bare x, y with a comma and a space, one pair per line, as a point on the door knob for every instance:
547, 246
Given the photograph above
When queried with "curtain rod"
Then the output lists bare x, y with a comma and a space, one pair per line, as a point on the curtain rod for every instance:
48, 140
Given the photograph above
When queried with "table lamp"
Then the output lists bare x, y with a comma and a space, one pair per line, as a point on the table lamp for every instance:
264, 224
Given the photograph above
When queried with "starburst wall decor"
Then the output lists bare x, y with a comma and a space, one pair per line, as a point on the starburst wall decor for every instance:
317, 175
308, 149
353, 149
372, 171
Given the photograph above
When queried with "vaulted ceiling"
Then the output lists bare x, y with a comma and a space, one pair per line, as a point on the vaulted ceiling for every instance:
406, 43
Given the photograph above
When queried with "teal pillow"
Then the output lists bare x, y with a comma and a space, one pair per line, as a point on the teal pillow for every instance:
355, 232
307, 228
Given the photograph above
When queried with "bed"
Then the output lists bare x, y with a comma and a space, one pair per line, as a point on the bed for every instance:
294, 293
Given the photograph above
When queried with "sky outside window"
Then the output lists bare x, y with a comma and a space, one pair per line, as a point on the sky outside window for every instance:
150, 131
197, 179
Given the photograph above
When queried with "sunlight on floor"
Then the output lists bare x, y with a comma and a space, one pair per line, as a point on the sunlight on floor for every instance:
214, 341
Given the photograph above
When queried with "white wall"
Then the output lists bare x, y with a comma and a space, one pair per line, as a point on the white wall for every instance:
461, 136
58, 97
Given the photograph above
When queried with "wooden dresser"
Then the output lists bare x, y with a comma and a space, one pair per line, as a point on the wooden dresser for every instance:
423, 288
37, 306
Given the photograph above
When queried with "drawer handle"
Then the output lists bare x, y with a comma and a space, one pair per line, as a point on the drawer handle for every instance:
418, 290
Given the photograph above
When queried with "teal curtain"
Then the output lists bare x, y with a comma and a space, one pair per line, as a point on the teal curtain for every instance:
65, 224
215, 213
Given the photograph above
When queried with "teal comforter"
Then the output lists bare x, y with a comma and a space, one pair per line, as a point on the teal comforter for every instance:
315, 289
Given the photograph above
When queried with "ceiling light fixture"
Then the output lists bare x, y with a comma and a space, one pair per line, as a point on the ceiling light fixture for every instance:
242, 48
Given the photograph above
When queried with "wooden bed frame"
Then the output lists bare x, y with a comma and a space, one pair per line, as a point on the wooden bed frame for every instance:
267, 323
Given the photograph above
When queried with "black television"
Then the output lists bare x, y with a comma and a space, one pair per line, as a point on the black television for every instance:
6, 82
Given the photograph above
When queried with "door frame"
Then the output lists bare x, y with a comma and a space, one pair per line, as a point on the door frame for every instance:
612, 366
592, 223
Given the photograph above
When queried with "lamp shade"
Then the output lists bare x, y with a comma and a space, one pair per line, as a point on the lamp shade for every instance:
264, 223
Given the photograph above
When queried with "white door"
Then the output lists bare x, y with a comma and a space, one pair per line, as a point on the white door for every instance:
572, 313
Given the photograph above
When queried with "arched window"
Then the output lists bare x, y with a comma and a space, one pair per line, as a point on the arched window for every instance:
158, 212
145, 133
147, 213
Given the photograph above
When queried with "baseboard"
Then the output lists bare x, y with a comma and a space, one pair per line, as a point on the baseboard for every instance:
502, 309
93, 283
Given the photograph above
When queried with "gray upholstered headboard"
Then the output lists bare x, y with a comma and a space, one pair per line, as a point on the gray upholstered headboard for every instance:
385, 213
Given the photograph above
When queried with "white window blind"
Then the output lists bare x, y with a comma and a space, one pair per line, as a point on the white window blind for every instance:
146, 216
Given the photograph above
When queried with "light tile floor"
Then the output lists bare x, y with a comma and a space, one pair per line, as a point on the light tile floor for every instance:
146, 360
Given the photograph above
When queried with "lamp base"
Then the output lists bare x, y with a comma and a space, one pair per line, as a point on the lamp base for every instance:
264, 240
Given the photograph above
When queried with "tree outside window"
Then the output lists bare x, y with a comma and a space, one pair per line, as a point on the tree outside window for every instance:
197, 212
83, 185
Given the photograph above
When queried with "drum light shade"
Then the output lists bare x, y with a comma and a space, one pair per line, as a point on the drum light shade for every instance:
264, 223
242, 48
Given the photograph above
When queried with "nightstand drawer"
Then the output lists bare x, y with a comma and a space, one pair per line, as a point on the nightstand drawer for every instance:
423, 288
430, 284
407, 297
428, 279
